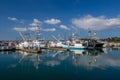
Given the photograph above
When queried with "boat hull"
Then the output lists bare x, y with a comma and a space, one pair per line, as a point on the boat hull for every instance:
100, 45
75, 48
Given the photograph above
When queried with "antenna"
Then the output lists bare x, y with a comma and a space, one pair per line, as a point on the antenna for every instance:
55, 38
89, 33
21, 35
37, 31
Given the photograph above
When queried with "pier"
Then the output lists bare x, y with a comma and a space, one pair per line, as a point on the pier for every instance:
11, 46
6, 48
58, 49
29, 50
7, 45
114, 44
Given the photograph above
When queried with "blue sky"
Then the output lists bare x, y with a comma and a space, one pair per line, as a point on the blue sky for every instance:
60, 17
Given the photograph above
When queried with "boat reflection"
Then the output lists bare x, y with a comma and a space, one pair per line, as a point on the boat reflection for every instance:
55, 58
26, 58
97, 58
86, 58
48, 58
100, 58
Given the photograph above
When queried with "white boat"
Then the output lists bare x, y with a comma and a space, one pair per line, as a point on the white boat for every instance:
31, 42
70, 44
77, 45
22, 45
55, 44
35, 44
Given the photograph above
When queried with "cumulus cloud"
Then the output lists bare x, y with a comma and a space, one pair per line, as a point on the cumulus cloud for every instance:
96, 23
35, 23
20, 29
50, 29
52, 21
33, 28
12, 18
64, 27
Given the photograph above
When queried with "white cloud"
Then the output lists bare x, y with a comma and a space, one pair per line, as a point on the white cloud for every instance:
12, 18
52, 21
96, 23
64, 27
35, 23
33, 28
20, 29
50, 29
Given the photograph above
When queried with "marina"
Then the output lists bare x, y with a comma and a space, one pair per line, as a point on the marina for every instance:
13, 46
59, 39
54, 64
35, 43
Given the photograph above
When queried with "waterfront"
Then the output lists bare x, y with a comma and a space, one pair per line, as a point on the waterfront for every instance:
59, 65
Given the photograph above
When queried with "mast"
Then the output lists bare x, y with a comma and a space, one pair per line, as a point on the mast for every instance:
21, 35
37, 31
89, 33
92, 34
25, 35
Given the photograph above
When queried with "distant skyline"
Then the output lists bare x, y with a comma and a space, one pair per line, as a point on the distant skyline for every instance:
62, 17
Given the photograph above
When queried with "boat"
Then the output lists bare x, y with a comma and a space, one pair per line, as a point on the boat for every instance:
31, 45
95, 44
94, 41
70, 44
74, 45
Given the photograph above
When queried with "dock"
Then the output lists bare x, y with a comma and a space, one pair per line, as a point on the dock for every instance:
58, 49
113, 44
6, 48
29, 50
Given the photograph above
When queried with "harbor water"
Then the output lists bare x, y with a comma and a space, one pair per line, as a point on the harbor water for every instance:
103, 64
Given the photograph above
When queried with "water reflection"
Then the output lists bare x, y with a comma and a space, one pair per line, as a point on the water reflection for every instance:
89, 59
24, 58
101, 58
86, 58
52, 63
54, 58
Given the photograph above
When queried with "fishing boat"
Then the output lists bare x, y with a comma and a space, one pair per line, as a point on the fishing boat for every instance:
94, 41
75, 45
70, 44
95, 44
31, 45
